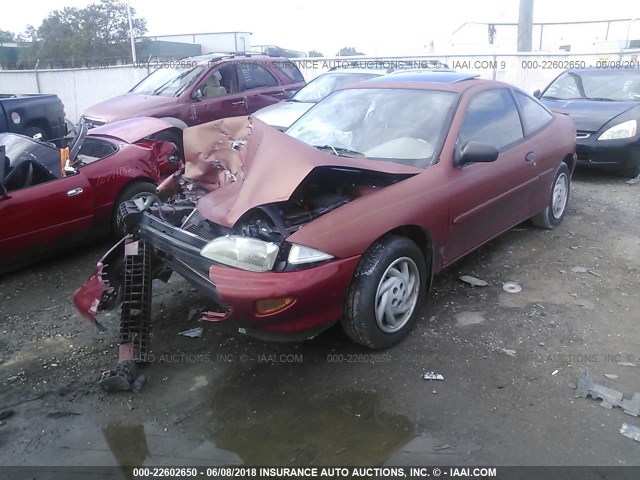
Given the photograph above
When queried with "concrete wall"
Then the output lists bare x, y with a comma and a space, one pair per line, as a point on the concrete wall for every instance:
81, 88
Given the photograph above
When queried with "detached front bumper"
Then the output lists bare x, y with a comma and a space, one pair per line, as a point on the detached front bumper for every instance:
607, 153
317, 293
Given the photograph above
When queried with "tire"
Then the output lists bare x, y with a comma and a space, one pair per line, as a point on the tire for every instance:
632, 170
131, 192
553, 213
33, 131
360, 321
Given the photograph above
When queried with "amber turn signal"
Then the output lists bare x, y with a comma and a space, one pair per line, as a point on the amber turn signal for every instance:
272, 305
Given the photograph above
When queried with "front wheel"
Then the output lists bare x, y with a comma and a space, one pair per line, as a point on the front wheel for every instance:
384, 298
139, 190
554, 212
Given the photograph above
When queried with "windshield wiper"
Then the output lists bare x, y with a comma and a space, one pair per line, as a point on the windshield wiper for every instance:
339, 151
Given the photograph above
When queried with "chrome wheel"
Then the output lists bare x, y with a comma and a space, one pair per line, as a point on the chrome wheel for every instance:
397, 295
148, 199
560, 195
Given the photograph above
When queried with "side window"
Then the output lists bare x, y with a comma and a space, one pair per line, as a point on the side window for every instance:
492, 117
535, 115
252, 75
219, 82
290, 70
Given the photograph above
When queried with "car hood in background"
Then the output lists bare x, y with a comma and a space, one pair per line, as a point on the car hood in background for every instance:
282, 115
243, 163
131, 130
590, 115
127, 106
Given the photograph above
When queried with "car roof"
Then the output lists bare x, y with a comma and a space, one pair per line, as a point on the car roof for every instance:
428, 80
217, 57
428, 75
345, 71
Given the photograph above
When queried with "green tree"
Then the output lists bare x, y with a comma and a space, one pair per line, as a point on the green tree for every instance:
75, 36
314, 53
6, 36
348, 52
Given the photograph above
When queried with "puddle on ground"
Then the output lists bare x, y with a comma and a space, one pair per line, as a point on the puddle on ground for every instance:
262, 415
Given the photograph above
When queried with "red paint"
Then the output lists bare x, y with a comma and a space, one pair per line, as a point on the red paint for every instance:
319, 295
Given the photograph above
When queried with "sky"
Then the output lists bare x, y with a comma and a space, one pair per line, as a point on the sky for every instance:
381, 28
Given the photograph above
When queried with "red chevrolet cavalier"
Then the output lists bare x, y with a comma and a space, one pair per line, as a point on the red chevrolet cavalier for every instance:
349, 214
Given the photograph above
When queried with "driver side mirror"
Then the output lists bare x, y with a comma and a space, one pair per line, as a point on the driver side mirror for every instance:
476, 152
197, 95
537, 94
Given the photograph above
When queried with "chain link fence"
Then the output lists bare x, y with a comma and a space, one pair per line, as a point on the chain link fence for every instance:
81, 88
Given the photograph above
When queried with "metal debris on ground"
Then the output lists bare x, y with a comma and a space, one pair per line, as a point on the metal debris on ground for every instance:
627, 364
511, 353
594, 273
611, 376
554, 373
630, 431
193, 333
432, 376
437, 448
4, 414
512, 287
610, 397
476, 282
579, 270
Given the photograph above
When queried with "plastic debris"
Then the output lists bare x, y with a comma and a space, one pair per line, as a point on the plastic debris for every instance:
554, 373
630, 431
593, 272
579, 270
193, 333
610, 397
512, 287
611, 376
476, 282
432, 376
511, 353
627, 364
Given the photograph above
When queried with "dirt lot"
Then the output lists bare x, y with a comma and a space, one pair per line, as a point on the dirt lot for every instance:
228, 399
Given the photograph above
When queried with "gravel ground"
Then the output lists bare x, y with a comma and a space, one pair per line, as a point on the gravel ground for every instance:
508, 361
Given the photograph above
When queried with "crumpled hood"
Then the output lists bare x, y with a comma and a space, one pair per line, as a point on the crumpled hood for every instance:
131, 130
283, 114
590, 115
243, 163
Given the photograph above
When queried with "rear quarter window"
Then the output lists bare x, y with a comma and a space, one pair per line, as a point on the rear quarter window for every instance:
289, 70
535, 116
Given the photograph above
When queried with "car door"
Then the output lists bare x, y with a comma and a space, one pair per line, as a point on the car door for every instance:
44, 216
489, 198
218, 96
259, 85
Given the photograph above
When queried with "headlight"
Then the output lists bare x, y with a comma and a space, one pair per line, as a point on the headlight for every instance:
622, 130
300, 254
242, 252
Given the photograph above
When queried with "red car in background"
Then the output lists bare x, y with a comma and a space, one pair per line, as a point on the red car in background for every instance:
52, 195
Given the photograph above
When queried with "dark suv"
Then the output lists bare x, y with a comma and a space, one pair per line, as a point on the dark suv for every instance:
201, 89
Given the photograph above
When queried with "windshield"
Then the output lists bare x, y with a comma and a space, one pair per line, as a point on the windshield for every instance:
403, 126
19, 148
325, 84
168, 82
602, 85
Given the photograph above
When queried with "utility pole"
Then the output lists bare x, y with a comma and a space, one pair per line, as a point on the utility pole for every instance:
133, 41
525, 26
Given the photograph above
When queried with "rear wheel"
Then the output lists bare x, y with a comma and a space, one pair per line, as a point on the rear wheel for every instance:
554, 212
139, 190
632, 169
384, 297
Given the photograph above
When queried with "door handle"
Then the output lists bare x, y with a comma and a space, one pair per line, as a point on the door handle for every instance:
74, 192
530, 157
237, 103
